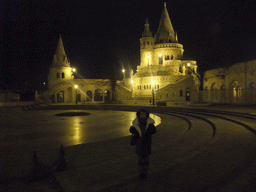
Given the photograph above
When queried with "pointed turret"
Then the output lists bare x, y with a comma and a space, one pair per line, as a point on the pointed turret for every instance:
60, 57
60, 70
146, 46
146, 32
165, 32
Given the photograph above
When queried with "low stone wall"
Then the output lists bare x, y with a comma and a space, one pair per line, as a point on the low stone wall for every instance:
16, 103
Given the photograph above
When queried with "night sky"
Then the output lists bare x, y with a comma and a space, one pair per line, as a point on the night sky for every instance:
100, 37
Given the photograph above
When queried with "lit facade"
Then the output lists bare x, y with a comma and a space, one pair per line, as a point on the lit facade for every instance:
64, 88
162, 68
162, 73
232, 84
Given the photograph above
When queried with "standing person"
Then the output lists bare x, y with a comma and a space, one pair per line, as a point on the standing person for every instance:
143, 128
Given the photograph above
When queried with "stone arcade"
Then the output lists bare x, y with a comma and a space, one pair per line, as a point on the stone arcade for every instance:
162, 73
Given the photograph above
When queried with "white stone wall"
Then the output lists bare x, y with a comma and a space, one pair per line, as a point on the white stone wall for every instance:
232, 84
85, 85
52, 77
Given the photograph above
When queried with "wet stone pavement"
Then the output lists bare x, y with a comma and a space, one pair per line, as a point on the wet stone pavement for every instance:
100, 158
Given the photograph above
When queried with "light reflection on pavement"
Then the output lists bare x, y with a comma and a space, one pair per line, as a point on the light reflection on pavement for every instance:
42, 129
102, 125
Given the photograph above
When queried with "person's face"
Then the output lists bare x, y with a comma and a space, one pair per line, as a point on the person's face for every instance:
143, 115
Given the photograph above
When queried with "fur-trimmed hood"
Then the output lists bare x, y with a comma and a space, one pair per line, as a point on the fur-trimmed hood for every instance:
135, 124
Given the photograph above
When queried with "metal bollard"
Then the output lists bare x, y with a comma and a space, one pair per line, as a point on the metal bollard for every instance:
61, 163
38, 171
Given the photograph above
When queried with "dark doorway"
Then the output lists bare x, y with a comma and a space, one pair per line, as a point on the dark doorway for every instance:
78, 97
60, 97
98, 95
88, 96
187, 96
107, 95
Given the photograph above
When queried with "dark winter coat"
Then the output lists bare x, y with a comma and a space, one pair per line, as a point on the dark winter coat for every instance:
144, 141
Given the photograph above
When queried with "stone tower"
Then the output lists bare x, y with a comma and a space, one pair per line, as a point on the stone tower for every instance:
161, 65
60, 70
146, 46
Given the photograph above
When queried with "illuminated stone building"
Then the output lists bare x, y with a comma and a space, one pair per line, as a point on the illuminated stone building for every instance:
232, 84
162, 73
64, 88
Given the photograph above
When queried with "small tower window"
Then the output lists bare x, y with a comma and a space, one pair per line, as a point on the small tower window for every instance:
144, 86
180, 69
63, 75
58, 75
181, 93
167, 57
172, 57
147, 42
160, 59
157, 86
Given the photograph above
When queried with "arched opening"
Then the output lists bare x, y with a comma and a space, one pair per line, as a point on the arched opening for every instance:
214, 93
239, 91
78, 97
89, 95
107, 95
187, 95
60, 97
181, 93
233, 92
180, 69
161, 59
223, 94
98, 96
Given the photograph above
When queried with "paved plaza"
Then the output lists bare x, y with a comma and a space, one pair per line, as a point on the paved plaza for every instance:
101, 159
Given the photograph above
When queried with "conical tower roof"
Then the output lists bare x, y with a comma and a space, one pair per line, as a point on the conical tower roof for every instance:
60, 57
146, 32
165, 32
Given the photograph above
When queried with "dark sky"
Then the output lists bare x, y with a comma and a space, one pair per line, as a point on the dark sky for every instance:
100, 36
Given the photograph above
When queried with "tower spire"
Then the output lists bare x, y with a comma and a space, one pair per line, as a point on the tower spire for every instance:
60, 57
146, 32
165, 32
